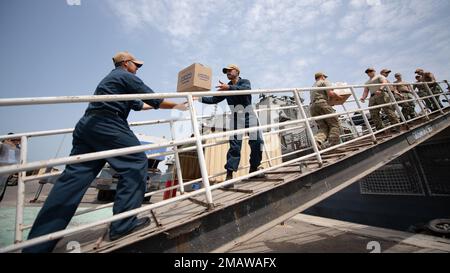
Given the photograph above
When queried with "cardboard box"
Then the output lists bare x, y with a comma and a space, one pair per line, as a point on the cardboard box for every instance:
344, 93
195, 77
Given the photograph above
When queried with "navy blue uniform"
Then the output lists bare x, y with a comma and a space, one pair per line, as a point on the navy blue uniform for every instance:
103, 127
243, 116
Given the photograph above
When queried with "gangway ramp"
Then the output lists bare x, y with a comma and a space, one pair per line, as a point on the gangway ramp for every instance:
257, 205
210, 218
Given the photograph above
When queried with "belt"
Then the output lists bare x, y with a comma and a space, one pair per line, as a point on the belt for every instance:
382, 91
104, 112
317, 100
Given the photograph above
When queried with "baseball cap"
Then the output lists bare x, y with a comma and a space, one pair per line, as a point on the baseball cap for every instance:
418, 70
385, 71
14, 139
320, 74
370, 69
230, 67
124, 56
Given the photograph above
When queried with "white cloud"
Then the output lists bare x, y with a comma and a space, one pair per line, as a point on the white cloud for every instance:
330, 7
358, 4
181, 20
373, 2
290, 38
351, 24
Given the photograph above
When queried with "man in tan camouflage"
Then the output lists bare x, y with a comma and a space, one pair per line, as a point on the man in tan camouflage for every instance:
404, 89
429, 78
385, 73
329, 128
378, 96
434, 86
422, 92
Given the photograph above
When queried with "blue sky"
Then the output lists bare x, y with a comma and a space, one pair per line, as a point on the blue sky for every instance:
51, 48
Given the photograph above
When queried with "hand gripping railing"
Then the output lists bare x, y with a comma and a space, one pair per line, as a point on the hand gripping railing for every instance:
303, 122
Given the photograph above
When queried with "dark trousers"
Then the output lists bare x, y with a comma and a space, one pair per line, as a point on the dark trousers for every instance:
94, 133
256, 141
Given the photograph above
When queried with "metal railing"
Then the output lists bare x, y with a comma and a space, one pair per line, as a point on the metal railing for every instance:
303, 121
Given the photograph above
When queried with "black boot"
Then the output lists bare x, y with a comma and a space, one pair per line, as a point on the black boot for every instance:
259, 176
229, 176
141, 223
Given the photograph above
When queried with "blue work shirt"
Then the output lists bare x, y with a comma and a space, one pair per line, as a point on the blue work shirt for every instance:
243, 115
244, 100
120, 81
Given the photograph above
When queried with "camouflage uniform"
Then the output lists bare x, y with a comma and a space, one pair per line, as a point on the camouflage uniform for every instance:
328, 128
383, 98
397, 96
435, 89
407, 107
423, 92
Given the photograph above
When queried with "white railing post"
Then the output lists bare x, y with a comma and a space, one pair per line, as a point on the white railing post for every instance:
201, 156
434, 98
443, 92
397, 108
366, 121
308, 127
424, 111
177, 160
18, 235
351, 120
269, 158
